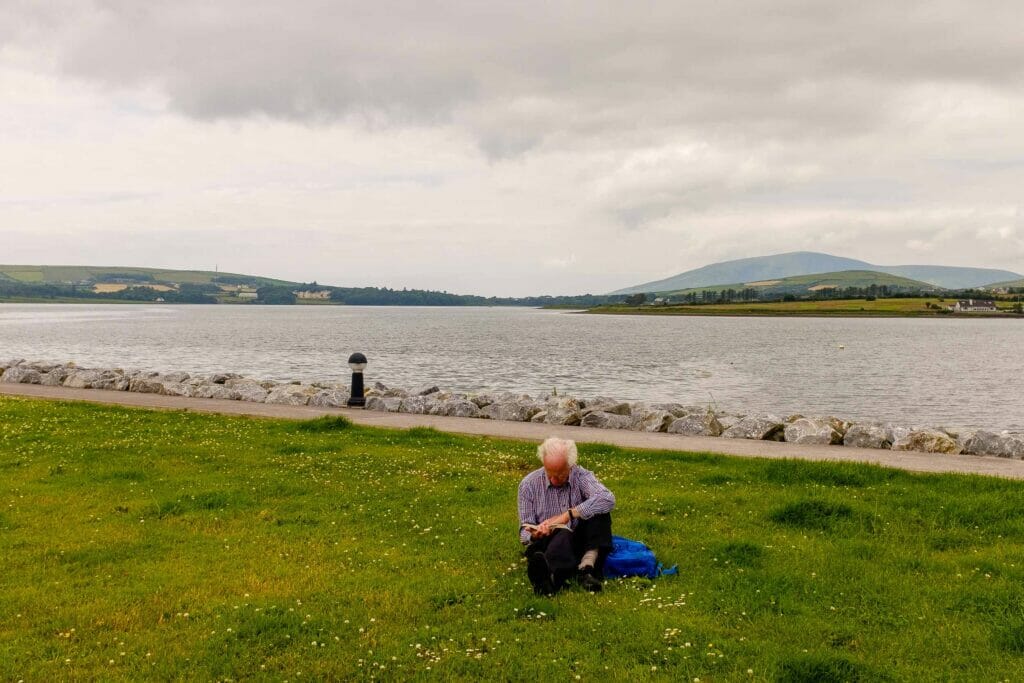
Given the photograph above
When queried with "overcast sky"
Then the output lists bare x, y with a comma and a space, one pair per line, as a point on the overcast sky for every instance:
508, 148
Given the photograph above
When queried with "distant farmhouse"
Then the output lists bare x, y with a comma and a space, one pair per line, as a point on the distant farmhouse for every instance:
973, 305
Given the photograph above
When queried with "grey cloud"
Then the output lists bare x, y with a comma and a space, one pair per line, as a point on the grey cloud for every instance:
858, 124
749, 67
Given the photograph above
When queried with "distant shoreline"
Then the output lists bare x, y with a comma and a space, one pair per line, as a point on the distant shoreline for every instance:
803, 314
312, 303
797, 309
825, 308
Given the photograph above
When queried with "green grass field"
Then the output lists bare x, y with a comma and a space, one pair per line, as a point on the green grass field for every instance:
178, 546
912, 307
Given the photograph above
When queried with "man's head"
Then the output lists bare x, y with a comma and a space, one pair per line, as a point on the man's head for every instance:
558, 457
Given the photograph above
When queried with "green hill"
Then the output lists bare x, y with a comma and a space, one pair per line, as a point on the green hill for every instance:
119, 284
1008, 283
83, 274
803, 285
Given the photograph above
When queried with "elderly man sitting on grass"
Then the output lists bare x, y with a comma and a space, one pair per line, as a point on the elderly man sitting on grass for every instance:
566, 525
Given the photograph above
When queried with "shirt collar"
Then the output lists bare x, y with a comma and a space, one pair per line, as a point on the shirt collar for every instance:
547, 482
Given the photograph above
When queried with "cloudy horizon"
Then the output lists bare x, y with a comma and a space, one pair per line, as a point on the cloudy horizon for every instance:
534, 148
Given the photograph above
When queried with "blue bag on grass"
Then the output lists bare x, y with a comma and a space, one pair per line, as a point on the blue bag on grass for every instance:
633, 558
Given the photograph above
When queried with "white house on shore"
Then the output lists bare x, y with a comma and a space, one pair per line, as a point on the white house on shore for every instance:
324, 294
973, 305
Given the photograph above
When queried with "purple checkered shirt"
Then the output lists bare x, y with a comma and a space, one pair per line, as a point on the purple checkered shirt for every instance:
539, 500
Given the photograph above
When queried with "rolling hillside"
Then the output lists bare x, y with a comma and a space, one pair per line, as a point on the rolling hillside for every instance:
808, 263
803, 285
82, 274
120, 284
948, 277
1008, 283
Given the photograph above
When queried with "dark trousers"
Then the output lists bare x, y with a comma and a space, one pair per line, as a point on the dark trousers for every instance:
564, 549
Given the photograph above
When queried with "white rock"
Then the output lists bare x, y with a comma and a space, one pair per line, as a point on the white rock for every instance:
291, 395
928, 441
867, 435
696, 425
384, 404
820, 431
654, 421
21, 374
602, 420
1004, 445
329, 398
761, 427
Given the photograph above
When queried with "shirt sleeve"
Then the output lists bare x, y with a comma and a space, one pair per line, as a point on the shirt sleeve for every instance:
597, 499
527, 513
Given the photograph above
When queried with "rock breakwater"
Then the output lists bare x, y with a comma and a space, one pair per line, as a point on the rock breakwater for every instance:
596, 412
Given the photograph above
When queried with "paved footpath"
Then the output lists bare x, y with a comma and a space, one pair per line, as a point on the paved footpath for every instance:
528, 431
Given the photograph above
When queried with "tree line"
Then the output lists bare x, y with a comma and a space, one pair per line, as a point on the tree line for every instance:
385, 296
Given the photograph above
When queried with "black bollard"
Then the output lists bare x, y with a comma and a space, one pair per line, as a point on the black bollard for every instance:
357, 362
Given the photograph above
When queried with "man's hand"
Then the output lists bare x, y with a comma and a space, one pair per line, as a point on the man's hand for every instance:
540, 532
557, 519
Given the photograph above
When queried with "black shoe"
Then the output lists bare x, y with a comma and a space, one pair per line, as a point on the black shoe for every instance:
589, 581
540, 574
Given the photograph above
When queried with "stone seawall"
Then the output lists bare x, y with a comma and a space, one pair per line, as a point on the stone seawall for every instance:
596, 412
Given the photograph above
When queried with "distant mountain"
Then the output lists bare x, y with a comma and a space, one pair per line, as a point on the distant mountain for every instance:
804, 285
751, 270
791, 264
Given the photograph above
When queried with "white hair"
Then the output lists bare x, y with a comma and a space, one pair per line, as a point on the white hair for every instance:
554, 445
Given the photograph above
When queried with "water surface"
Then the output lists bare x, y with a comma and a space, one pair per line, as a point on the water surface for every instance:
921, 371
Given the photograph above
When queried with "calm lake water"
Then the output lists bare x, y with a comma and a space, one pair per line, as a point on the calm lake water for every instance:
933, 371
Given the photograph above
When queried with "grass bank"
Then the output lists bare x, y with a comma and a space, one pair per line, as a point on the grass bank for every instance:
142, 544
911, 308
